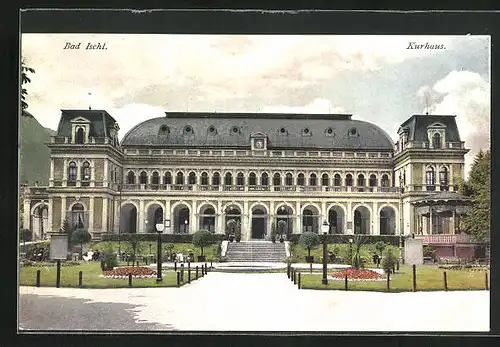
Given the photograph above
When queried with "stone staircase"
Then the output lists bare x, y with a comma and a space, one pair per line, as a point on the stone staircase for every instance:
256, 251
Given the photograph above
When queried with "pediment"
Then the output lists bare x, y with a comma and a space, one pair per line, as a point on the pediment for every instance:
80, 120
437, 125
258, 134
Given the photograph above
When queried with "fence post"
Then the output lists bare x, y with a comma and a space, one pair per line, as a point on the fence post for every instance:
288, 270
211, 264
38, 278
58, 273
345, 282
397, 266
295, 277
414, 277
311, 268
189, 275
178, 279
189, 264
202, 272
298, 285
175, 265
445, 281
130, 280
486, 280
388, 281
182, 273
292, 274
196, 271
206, 269
80, 279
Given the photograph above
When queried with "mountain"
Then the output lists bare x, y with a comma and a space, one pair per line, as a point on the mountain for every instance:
34, 154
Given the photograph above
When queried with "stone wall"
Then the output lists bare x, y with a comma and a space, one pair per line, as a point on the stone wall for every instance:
99, 169
56, 213
58, 168
97, 214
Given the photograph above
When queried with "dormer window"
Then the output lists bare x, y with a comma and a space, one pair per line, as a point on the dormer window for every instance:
306, 132
282, 131
329, 132
353, 132
212, 130
80, 130
188, 130
80, 136
164, 130
436, 140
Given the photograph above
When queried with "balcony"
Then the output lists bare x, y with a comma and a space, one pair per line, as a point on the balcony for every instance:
444, 239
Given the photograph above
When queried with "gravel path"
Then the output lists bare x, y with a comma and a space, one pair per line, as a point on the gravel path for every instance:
270, 302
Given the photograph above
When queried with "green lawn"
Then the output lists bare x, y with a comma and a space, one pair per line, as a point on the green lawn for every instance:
91, 272
429, 277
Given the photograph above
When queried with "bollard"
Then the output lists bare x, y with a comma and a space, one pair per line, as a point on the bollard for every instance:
388, 281
345, 282
130, 280
38, 278
288, 270
178, 279
397, 266
206, 268
294, 277
292, 274
58, 273
182, 273
298, 285
445, 281
175, 265
486, 280
202, 272
189, 275
196, 271
80, 279
414, 278
189, 264
311, 268
211, 265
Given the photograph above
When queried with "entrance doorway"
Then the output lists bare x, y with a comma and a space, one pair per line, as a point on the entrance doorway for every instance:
258, 224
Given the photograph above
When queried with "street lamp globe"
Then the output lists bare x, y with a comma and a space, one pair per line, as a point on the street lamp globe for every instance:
160, 227
325, 227
350, 240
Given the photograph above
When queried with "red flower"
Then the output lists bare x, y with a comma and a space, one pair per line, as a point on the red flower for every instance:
126, 270
361, 274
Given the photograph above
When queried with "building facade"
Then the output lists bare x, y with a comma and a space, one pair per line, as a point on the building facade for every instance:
199, 170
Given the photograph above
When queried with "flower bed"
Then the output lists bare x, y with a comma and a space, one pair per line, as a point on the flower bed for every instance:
124, 271
358, 275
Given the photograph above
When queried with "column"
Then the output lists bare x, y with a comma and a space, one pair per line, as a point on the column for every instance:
194, 221
63, 210
168, 215
272, 217
91, 214
141, 216
104, 214
375, 229
51, 177
92, 173
65, 173
116, 220
78, 173
105, 182
453, 221
27, 214
323, 215
246, 222
219, 224
349, 219
49, 216
298, 218
431, 227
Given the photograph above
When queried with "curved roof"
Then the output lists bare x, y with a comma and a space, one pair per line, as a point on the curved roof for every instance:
229, 130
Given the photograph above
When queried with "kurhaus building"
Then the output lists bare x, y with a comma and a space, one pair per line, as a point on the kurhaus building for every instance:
200, 170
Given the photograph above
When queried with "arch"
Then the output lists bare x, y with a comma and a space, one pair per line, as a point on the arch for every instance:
85, 174
373, 180
430, 177
387, 220
316, 206
336, 204
131, 177
313, 181
155, 212
362, 216
181, 217
264, 179
436, 140
301, 179
361, 180
240, 179
336, 216
310, 217
216, 178
230, 204
178, 203
39, 219
204, 179
179, 178
384, 182
80, 136
444, 179
228, 179
85, 207
252, 179
232, 211
207, 216
128, 217
154, 202
285, 213
277, 179
72, 172
337, 180
192, 178
143, 178
167, 178
259, 220
78, 212
348, 180
256, 204
204, 204
290, 206
130, 202
288, 179
155, 178
325, 179
38, 204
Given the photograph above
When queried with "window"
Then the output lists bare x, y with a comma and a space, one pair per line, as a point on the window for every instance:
130, 177
167, 179
188, 130
252, 180
329, 132
430, 178
78, 216
443, 178
240, 179
143, 178
85, 175
277, 179
312, 179
264, 179
204, 179
72, 173
228, 179
300, 179
373, 180
156, 178
282, 131
235, 130
179, 178
336, 180
80, 136
288, 179
164, 130
306, 132
353, 132
325, 179
192, 178
385, 181
216, 179
212, 130
436, 141
348, 180
361, 180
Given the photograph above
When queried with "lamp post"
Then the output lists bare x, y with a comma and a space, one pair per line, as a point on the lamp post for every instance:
350, 250
401, 248
324, 229
159, 229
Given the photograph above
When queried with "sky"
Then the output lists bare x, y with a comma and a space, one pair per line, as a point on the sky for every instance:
378, 79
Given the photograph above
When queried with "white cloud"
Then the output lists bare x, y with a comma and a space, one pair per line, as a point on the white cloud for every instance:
321, 106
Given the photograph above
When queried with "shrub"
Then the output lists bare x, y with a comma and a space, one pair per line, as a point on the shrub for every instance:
343, 238
81, 236
38, 251
429, 252
389, 260
380, 246
109, 258
25, 235
237, 232
150, 237
308, 240
202, 238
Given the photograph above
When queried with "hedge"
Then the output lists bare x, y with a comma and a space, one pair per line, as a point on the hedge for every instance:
152, 237
342, 238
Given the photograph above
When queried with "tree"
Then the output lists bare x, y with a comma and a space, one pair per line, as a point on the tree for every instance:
389, 260
68, 230
478, 188
202, 238
309, 240
81, 236
26, 235
358, 243
134, 241
24, 80
380, 246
